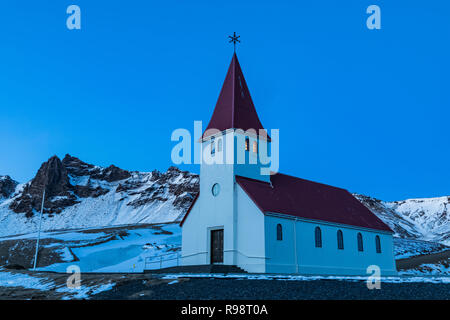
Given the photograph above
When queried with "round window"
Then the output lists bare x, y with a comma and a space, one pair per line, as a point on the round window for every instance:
215, 189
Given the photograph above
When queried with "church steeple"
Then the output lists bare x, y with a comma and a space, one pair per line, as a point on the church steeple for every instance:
234, 108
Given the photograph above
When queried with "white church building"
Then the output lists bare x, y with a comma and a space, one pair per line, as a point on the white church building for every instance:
273, 223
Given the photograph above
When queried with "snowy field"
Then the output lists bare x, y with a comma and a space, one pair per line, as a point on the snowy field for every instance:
38, 283
115, 249
429, 269
405, 248
128, 253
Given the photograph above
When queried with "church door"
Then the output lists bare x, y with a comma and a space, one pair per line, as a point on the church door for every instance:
217, 246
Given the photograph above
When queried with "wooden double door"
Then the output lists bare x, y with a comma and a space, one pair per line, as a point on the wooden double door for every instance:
217, 246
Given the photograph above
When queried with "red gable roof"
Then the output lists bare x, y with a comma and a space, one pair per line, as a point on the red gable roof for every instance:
189, 209
234, 108
309, 200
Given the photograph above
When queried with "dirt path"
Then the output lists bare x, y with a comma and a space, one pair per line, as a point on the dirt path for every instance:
413, 262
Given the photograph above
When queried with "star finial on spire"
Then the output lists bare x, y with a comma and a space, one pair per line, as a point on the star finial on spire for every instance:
234, 38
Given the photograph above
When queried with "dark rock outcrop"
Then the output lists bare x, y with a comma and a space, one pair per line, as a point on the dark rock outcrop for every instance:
69, 181
177, 184
7, 186
111, 174
59, 192
76, 167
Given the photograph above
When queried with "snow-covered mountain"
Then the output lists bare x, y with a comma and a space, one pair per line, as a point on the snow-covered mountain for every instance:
7, 187
79, 195
424, 219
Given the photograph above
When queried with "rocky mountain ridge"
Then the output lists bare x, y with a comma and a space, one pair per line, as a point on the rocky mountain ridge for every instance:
7, 186
79, 194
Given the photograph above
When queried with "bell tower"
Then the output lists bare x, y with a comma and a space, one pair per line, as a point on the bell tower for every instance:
235, 135
231, 145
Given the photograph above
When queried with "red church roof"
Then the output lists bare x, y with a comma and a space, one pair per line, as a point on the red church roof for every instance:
234, 108
309, 200
189, 209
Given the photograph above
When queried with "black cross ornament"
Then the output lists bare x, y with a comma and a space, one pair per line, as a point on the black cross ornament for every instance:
234, 38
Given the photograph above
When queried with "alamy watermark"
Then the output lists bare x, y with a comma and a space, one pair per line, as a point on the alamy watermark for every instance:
74, 20
74, 280
374, 20
374, 280
227, 147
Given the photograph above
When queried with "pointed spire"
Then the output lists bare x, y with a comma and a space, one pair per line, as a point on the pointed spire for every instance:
234, 108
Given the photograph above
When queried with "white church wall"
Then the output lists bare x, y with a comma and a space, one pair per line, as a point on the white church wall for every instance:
280, 253
349, 261
250, 253
192, 241
211, 212
328, 259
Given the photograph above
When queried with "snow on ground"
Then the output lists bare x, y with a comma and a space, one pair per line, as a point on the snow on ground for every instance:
8, 279
391, 279
26, 281
405, 248
72, 235
437, 269
128, 253
83, 292
65, 254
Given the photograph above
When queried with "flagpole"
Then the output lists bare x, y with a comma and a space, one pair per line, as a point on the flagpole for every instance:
39, 232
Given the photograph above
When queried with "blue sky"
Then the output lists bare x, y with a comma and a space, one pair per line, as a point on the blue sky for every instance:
366, 110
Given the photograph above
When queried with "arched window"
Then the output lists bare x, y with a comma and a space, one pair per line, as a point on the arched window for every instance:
378, 244
340, 240
219, 145
213, 146
279, 232
360, 242
247, 144
255, 146
318, 234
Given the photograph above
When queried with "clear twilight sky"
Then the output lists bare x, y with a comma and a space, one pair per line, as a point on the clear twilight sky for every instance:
366, 110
